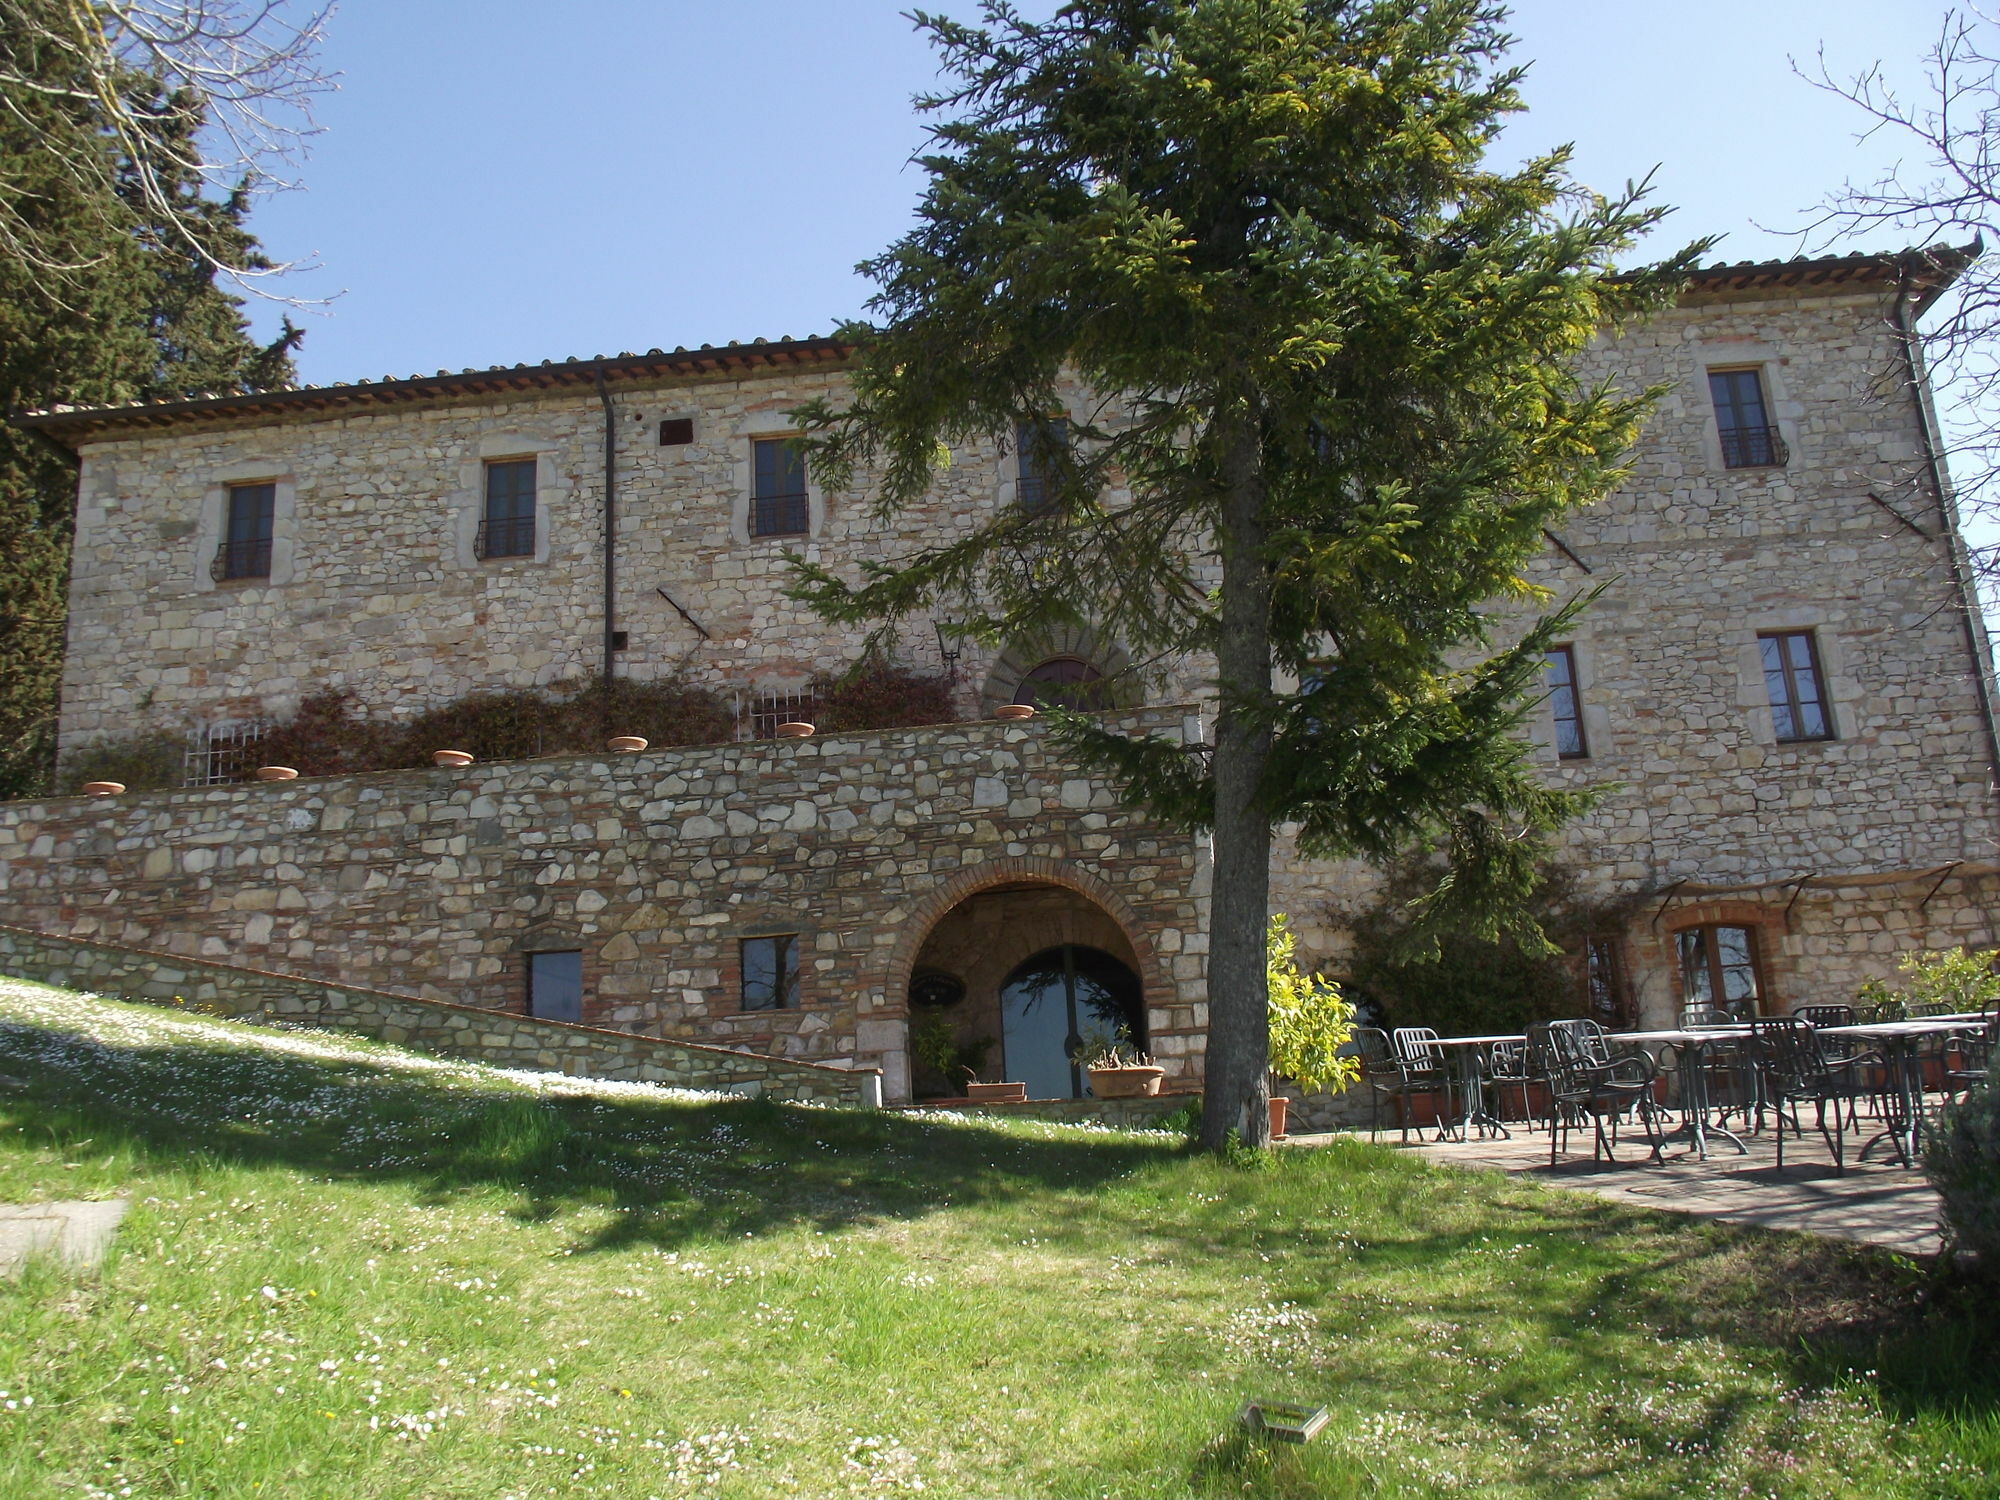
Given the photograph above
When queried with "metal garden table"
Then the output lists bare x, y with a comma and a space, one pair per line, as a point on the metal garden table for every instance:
1692, 1043
1899, 1044
1466, 1056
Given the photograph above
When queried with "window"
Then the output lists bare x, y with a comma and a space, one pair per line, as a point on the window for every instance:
507, 524
1749, 441
1792, 678
219, 754
1719, 969
758, 716
1604, 983
555, 986
1037, 448
246, 532
1560, 674
676, 432
1064, 682
778, 504
771, 973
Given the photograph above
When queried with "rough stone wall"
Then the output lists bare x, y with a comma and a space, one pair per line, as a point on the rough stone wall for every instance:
375, 587
654, 865
1696, 560
506, 1041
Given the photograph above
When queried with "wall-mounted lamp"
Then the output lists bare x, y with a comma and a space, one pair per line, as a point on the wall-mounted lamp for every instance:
950, 646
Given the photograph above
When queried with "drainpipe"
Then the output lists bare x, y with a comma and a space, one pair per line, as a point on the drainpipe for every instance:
610, 523
1955, 556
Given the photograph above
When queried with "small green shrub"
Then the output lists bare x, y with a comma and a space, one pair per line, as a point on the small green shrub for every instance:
1949, 978
1310, 1019
1962, 1158
144, 762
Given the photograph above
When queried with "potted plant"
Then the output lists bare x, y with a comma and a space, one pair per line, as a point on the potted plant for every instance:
1117, 1070
935, 1043
1311, 1022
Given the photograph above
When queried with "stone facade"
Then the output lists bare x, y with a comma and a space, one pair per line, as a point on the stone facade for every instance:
655, 866
871, 847
504, 1040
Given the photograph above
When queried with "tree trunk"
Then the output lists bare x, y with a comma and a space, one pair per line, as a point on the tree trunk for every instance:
1237, 1082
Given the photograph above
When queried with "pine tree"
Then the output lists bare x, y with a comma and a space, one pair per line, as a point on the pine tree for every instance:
1336, 357
99, 302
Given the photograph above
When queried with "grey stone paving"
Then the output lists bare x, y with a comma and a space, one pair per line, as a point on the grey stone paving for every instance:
1876, 1204
75, 1233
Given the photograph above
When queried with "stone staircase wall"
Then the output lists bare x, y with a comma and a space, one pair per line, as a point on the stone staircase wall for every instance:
478, 1035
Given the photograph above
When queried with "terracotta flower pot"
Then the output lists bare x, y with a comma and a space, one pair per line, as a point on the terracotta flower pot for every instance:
1014, 711
1126, 1083
996, 1093
102, 788
450, 758
1279, 1105
628, 742
796, 730
276, 773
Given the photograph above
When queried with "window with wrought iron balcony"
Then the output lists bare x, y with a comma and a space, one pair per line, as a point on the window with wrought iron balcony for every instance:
245, 552
1742, 421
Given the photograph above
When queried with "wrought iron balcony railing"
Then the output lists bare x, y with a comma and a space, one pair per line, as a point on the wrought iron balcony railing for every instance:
780, 515
1753, 448
233, 560
506, 536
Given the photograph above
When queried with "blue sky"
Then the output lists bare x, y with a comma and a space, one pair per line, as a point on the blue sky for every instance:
515, 181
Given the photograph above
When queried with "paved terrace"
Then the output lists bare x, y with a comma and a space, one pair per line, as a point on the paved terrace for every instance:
1876, 1204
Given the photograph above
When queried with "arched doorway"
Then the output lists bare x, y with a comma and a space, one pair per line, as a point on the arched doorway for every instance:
1060, 1000
1064, 682
959, 961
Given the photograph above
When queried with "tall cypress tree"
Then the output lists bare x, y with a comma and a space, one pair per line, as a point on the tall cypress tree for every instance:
97, 304
1336, 351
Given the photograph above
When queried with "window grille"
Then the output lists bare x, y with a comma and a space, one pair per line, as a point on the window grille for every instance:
219, 754
758, 715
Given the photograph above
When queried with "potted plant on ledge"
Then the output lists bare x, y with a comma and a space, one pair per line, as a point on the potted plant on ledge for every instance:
1117, 1070
1311, 1021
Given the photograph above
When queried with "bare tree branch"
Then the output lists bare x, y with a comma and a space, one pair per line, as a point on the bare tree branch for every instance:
196, 98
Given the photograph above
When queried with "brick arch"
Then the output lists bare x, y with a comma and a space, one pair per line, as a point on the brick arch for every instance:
1767, 920
916, 927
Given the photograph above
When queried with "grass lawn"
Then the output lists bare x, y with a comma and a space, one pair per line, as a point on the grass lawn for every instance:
350, 1271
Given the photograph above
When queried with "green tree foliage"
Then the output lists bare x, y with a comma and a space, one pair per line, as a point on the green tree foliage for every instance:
1337, 408
100, 301
1468, 983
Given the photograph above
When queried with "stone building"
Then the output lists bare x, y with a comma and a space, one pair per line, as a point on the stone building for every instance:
1785, 684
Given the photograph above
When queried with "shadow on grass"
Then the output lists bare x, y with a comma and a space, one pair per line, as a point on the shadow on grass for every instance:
673, 1170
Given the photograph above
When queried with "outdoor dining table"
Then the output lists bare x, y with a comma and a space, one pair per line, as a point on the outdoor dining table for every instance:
1692, 1043
1466, 1054
1899, 1044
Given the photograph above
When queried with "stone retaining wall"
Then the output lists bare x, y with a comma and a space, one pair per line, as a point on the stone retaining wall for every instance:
654, 866
508, 1041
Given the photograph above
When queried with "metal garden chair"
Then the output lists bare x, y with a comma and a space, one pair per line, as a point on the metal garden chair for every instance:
1391, 1075
1798, 1071
1584, 1080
